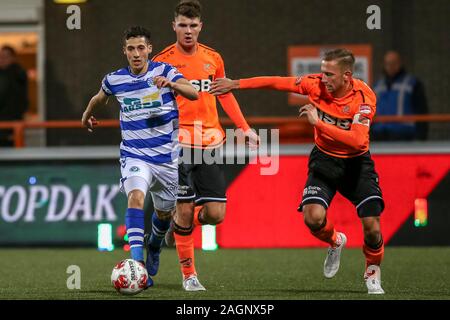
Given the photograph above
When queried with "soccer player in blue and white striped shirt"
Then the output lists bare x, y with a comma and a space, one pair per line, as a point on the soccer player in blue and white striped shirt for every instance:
149, 150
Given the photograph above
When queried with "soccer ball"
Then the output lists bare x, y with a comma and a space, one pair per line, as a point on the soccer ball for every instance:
129, 277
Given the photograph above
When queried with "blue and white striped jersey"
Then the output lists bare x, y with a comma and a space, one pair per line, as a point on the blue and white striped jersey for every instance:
148, 115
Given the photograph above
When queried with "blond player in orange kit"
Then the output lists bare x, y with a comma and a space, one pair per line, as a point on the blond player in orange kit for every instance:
200, 184
341, 111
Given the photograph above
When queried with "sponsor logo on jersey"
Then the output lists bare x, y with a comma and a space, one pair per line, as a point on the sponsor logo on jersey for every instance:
340, 123
149, 81
134, 169
149, 101
202, 85
346, 109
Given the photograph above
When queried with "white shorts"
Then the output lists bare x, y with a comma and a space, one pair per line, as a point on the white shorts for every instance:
160, 179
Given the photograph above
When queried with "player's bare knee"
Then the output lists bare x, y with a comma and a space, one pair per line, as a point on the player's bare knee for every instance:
372, 236
185, 211
214, 212
136, 199
184, 214
372, 230
312, 224
216, 217
164, 215
314, 216
371, 224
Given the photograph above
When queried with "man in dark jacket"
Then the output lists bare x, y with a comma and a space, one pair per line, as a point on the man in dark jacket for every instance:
13, 91
399, 93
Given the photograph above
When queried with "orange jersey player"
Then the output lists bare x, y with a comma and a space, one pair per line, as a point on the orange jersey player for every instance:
200, 184
341, 112
201, 69
343, 129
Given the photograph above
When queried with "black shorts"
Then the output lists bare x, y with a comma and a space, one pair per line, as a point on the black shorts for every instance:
200, 182
354, 178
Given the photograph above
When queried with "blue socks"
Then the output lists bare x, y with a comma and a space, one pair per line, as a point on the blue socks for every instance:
134, 221
159, 229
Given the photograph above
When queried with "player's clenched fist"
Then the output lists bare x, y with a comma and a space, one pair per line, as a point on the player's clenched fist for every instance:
310, 112
89, 121
162, 82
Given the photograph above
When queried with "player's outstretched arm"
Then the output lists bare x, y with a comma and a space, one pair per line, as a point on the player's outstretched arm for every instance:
224, 85
181, 86
88, 120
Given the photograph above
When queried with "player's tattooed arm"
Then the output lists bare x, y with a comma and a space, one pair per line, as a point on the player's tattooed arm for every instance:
88, 120
181, 87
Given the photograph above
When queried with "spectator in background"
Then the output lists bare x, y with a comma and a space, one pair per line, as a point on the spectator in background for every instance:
13, 92
399, 93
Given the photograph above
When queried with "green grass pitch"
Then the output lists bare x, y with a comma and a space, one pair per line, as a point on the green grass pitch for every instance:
288, 274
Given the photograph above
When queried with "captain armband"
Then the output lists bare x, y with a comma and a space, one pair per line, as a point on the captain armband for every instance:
361, 119
363, 116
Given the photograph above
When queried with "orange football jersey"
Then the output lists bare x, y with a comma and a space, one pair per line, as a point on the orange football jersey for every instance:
199, 120
340, 115
343, 127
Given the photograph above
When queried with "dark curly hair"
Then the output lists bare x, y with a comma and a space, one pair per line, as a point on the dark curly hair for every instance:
135, 32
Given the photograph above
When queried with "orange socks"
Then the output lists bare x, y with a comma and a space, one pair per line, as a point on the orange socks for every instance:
185, 250
185, 246
327, 233
374, 256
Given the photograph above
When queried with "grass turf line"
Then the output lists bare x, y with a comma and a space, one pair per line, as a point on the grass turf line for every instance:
238, 274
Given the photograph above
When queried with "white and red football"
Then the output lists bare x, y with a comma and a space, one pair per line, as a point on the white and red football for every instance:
129, 277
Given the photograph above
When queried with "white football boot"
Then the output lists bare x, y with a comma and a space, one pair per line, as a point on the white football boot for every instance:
372, 276
332, 262
192, 284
